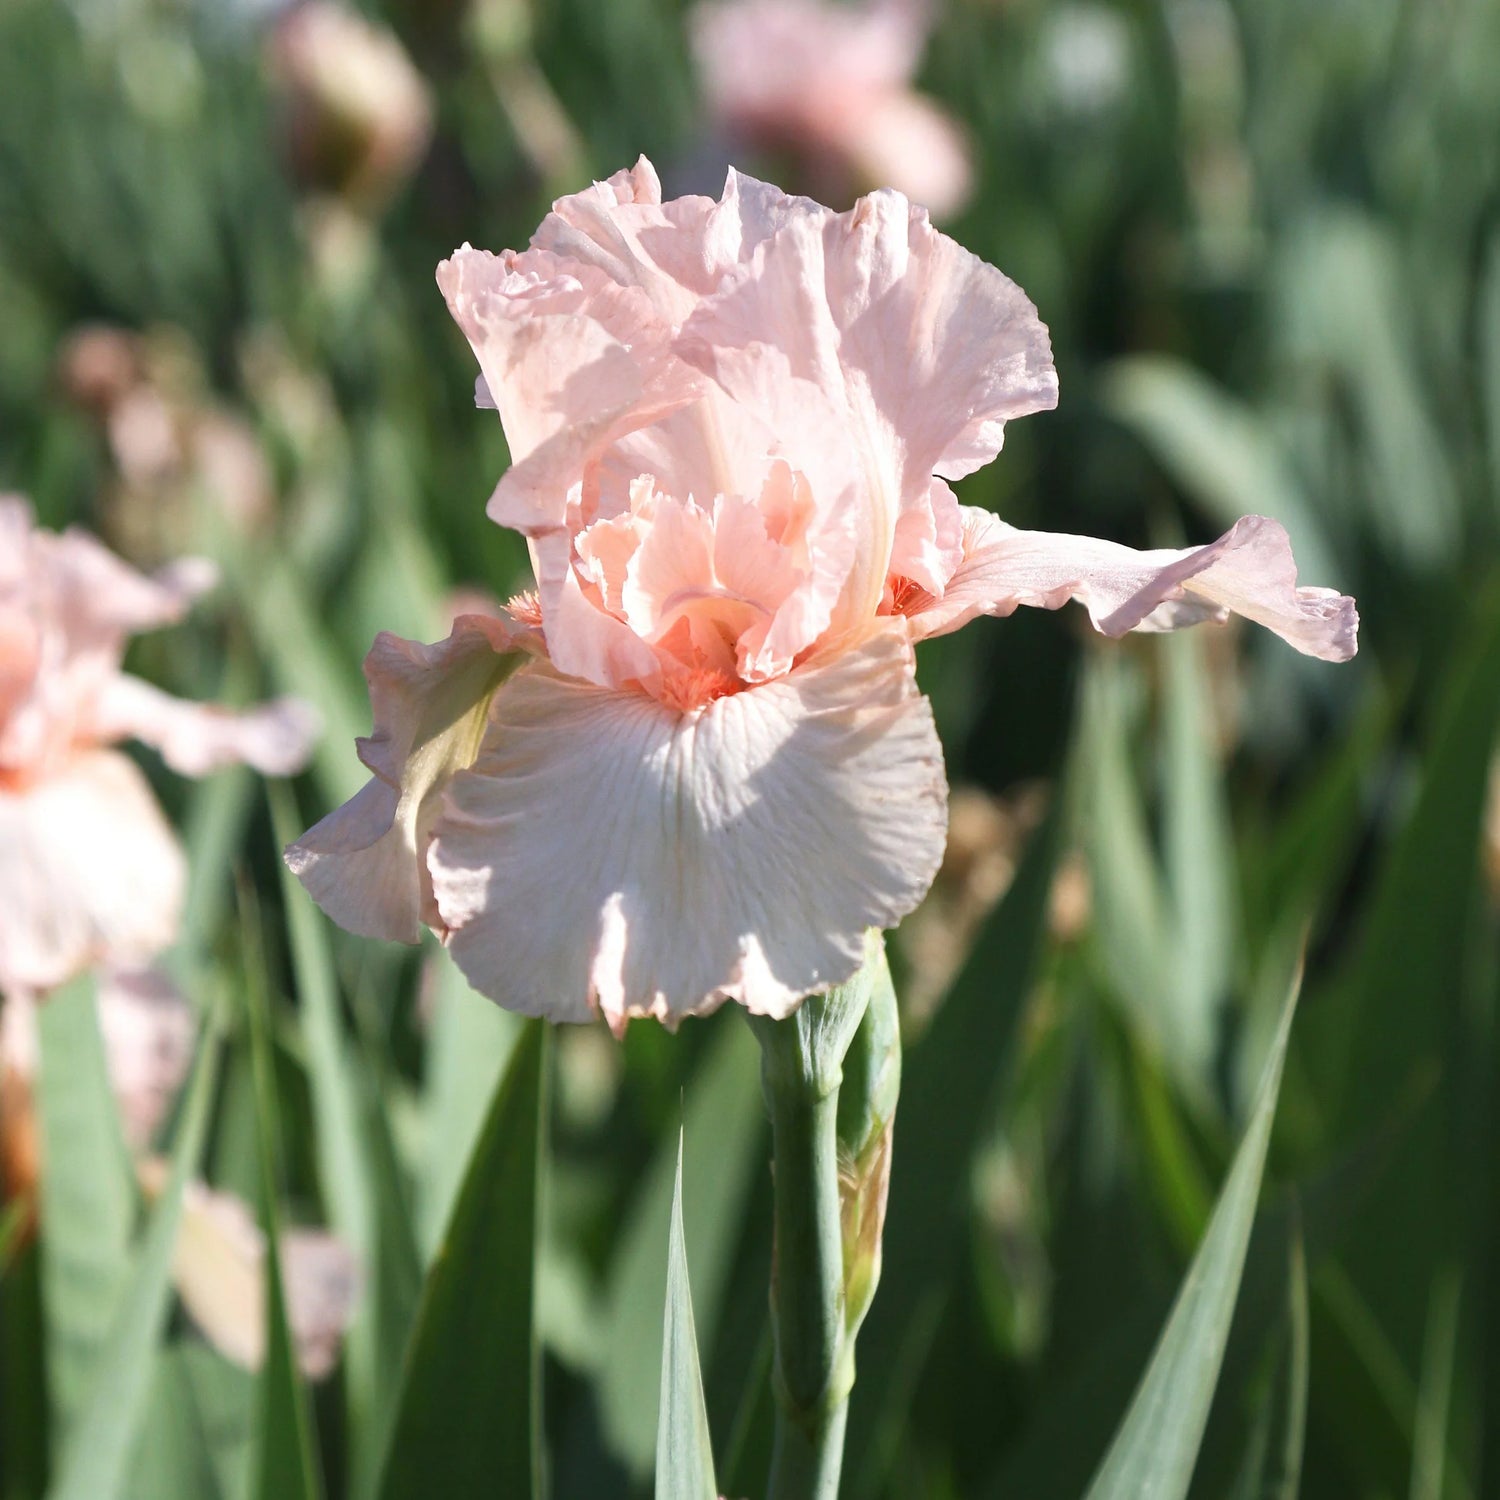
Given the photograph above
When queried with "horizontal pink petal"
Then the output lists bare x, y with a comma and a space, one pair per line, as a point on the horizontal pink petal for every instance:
67, 608
363, 862
607, 853
276, 738
90, 873
1249, 571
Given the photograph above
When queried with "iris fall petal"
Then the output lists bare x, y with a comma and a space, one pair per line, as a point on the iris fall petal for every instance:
671, 860
363, 863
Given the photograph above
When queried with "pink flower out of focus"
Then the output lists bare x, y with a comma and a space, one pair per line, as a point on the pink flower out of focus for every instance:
831, 84
695, 763
90, 873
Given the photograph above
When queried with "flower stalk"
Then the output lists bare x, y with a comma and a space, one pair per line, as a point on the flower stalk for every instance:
830, 1074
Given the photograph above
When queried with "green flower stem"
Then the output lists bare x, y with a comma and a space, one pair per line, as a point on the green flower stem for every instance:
813, 1374
819, 1177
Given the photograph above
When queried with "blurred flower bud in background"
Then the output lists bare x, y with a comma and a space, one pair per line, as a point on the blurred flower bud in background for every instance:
830, 86
358, 114
173, 444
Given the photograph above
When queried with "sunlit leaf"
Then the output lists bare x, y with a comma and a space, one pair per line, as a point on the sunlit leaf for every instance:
469, 1043
1272, 1467
684, 1452
1156, 1447
88, 1194
283, 1466
724, 1123
366, 1203
97, 1450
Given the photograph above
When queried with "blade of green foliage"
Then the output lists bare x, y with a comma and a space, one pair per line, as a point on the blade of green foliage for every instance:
1297, 865
358, 1171
224, 1398
335, 1092
1488, 339
1415, 926
1345, 309
24, 1414
470, 1408
218, 812
97, 1449
1429, 1463
297, 649
724, 1123
1272, 1468
1071, 1425
1410, 1019
1130, 910
283, 1466
15, 1220
1156, 1447
684, 1451
172, 1457
1198, 848
950, 1083
470, 1041
89, 1197
1220, 451
394, 1287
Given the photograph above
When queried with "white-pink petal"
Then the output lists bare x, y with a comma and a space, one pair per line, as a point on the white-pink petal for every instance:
90, 873
1249, 571
608, 853
194, 739
363, 862
148, 1028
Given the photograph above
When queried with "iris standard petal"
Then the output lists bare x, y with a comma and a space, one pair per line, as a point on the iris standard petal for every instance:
921, 349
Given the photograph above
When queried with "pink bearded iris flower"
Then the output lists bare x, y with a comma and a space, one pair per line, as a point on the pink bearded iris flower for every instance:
695, 764
90, 872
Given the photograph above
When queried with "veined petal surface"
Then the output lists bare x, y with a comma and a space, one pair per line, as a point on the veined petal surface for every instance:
606, 852
1249, 571
363, 863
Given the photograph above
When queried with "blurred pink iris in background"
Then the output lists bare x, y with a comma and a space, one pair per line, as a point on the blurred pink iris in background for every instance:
695, 764
148, 1029
91, 875
829, 84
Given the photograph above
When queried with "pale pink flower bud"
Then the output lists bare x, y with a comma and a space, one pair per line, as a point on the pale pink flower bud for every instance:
359, 114
831, 83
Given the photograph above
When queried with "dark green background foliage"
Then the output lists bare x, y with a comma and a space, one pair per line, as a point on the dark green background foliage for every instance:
1268, 249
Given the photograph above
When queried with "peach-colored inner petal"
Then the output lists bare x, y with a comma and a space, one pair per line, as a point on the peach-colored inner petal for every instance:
724, 593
